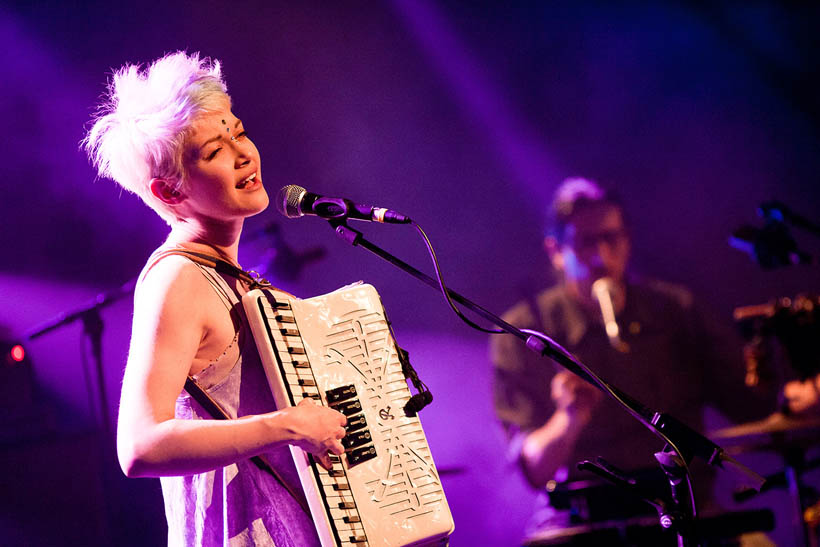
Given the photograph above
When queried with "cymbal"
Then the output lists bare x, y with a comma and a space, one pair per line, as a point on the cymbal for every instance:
774, 424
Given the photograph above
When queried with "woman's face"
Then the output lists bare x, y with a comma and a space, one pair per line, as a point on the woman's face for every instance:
223, 171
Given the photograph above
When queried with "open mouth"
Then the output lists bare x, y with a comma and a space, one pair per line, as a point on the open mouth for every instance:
246, 182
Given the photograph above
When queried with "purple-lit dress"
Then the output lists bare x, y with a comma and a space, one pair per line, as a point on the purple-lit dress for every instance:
236, 505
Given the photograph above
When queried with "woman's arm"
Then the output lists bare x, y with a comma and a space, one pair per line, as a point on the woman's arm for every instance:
169, 325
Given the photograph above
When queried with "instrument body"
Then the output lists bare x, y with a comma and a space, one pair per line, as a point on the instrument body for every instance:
338, 350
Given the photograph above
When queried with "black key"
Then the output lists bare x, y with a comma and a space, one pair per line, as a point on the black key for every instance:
296, 351
341, 487
347, 505
354, 518
359, 455
284, 319
355, 422
280, 305
289, 332
301, 364
358, 438
340, 394
349, 408
306, 382
358, 539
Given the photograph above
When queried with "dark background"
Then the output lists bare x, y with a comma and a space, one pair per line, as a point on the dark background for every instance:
463, 115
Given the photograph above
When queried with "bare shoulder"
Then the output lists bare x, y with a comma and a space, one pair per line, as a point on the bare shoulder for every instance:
173, 282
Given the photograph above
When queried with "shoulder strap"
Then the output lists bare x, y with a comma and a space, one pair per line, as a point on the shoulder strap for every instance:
218, 413
222, 266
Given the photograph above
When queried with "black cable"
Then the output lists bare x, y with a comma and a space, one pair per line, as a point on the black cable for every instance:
444, 291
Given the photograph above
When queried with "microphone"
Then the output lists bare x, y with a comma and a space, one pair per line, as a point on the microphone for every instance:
602, 291
294, 201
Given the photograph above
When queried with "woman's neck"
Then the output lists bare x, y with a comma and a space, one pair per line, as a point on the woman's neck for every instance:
220, 239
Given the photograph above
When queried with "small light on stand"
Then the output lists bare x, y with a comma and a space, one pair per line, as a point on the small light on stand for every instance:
17, 353
14, 353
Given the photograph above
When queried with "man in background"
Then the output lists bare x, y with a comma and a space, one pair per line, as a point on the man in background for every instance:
661, 349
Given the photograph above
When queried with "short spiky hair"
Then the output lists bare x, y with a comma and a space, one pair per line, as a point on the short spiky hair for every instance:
139, 130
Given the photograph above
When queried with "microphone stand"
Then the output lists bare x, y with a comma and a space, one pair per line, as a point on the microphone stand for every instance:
687, 442
89, 314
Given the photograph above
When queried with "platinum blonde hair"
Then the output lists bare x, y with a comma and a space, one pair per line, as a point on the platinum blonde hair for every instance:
140, 128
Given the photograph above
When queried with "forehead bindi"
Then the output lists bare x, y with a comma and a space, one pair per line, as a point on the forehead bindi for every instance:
213, 127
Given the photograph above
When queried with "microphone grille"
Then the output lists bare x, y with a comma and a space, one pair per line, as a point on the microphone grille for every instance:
288, 199
603, 286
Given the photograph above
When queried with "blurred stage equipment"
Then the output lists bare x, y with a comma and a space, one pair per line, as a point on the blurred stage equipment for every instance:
793, 322
716, 530
595, 520
14, 352
790, 437
21, 417
773, 245
279, 260
89, 314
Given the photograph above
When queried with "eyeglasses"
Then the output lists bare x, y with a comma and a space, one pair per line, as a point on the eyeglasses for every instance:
590, 242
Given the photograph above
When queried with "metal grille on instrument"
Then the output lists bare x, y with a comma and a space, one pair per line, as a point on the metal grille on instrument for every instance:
337, 349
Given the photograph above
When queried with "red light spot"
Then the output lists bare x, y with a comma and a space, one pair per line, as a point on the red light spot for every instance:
17, 353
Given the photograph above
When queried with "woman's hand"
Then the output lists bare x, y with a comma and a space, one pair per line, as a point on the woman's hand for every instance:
317, 429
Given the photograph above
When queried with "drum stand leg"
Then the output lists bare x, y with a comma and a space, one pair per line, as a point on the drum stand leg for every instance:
793, 469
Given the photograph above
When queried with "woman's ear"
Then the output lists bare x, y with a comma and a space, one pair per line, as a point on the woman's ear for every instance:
165, 192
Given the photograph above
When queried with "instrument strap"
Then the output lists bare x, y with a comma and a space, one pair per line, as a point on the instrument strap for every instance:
252, 278
217, 413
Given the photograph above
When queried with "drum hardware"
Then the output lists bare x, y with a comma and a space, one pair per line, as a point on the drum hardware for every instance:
773, 246
790, 436
646, 531
811, 517
793, 322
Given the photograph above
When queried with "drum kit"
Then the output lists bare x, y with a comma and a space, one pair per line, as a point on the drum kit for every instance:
795, 323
